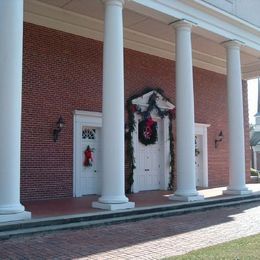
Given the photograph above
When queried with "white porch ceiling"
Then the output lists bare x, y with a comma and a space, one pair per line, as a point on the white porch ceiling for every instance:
147, 33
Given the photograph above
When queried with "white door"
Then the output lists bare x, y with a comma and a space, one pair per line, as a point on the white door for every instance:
88, 177
199, 160
149, 164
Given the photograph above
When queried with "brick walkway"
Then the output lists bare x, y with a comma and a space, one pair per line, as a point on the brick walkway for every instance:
149, 239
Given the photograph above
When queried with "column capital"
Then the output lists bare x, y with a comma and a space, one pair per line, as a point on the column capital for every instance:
114, 2
233, 44
183, 24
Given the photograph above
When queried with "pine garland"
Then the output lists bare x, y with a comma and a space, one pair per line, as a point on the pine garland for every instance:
131, 109
130, 146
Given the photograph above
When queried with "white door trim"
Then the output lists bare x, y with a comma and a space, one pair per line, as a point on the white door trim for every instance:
91, 119
202, 129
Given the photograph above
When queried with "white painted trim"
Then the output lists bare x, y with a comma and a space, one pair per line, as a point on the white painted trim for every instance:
202, 129
204, 15
88, 113
92, 119
256, 148
166, 154
135, 187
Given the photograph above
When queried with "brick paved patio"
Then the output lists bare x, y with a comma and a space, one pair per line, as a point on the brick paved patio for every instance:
149, 239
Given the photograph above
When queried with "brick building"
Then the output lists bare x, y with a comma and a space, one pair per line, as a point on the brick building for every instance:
117, 90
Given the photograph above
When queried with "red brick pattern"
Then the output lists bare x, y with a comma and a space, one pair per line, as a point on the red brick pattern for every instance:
148, 239
63, 72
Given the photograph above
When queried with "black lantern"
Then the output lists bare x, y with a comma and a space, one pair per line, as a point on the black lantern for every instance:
219, 138
59, 125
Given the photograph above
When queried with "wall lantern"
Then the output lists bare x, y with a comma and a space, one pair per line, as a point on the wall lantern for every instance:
59, 125
126, 128
219, 138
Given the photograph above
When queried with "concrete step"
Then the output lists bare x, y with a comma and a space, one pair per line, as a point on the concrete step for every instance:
33, 226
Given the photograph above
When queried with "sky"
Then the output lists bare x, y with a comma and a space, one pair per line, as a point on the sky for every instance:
252, 99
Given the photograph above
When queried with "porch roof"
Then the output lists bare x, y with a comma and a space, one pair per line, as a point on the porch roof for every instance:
146, 28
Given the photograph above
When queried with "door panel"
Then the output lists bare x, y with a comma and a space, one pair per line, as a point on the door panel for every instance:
149, 164
198, 160
90, 175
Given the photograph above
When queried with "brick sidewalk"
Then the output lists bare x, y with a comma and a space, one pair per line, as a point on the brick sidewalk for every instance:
148, 239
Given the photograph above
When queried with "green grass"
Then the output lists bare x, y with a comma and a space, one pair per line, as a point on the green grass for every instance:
244, 248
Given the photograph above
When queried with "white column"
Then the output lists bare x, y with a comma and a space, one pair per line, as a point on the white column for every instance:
113, 149
236, 121
11, 36
185, 129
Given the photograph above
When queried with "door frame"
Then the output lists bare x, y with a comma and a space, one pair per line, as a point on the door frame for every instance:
86, 118
202, 129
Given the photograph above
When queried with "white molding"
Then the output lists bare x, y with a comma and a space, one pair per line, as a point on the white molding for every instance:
135, 186
89, 118
161, 102
251, 70
201, 129
204, 15
88, 113
256, 148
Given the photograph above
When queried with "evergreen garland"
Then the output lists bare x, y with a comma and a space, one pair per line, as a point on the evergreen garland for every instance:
130, 147
131, 109
172, 155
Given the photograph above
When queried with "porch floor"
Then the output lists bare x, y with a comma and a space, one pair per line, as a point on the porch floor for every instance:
70, 206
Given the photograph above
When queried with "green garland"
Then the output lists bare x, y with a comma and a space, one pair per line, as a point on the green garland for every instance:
172, 155
131, 109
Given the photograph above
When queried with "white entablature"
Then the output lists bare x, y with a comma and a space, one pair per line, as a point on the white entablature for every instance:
146, 28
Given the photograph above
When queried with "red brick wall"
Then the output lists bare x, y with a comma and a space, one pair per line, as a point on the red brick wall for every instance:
63, 72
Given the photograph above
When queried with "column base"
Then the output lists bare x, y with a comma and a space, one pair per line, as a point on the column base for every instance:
113, 199
186, 198
243, 191
113, 206
25, 215
11, 209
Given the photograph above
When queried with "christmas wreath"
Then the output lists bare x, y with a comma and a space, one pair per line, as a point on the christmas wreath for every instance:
88, 157
147, 131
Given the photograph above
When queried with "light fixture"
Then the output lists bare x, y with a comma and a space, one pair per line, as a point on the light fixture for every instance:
219, 138
126, 128
59, 125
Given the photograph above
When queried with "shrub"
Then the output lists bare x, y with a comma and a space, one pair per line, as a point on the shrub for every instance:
254, 172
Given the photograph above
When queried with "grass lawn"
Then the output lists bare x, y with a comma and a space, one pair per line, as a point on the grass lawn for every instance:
244, 248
